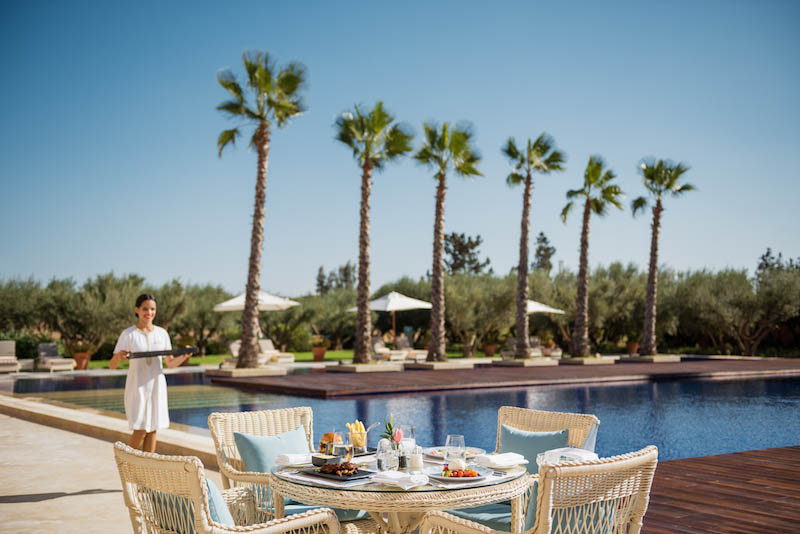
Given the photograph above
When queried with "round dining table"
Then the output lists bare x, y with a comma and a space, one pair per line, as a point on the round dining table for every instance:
400, 511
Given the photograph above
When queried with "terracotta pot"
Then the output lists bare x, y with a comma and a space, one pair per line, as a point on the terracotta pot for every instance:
633, 347
319, 353
81, 360
547, 351
489, 349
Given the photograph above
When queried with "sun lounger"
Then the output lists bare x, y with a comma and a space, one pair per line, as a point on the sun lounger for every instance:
412, 354
8, 357
267, 354
49, 360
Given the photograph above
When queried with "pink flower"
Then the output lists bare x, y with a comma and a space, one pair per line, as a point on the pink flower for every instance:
398, 435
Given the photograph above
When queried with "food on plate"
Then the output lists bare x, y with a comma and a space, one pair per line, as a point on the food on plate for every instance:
327, 441
342, 469
447, 471
457, 464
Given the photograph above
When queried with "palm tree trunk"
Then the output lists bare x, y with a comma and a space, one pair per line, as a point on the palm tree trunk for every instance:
362, 350
436, 352
523, 344
248, 352
580, 339
648, 346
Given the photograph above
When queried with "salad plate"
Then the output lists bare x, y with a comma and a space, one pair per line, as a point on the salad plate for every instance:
438, 452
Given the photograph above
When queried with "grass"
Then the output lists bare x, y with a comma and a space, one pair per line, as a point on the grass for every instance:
216, 359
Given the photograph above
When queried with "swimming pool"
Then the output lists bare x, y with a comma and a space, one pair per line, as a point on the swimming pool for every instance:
683, 418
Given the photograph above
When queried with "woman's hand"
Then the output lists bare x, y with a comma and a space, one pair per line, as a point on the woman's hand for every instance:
174, 361
118, 356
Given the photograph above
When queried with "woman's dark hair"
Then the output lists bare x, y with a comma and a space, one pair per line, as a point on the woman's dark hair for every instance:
143, 297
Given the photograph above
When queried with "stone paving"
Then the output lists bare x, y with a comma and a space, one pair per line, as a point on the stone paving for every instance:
55, 481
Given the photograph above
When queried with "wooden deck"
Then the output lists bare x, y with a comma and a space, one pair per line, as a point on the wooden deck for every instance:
741, 493
328, 385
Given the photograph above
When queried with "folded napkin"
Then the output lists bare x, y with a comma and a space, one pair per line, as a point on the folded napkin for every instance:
504, 460
401, 480
293, 459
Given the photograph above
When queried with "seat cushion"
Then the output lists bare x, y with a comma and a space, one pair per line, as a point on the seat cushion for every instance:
293, 507
260, 452
530, 444
495, 516
217, 505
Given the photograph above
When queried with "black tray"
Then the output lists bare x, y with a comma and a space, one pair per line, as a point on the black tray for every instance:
357, 474
171, 352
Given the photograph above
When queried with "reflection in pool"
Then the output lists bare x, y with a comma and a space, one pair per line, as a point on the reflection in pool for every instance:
683, 418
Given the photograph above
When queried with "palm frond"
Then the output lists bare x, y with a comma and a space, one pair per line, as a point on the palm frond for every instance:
612, 194
234, 108
398, 141
554, 162
251, 59
599, 206
225, 138
511, 151
685, 188
228, 81
572, 193
515, 178
291, 79
566, 210
638, 204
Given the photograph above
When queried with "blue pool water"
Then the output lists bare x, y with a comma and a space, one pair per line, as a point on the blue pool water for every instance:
683, 418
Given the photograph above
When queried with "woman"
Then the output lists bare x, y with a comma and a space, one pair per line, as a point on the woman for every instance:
145, 386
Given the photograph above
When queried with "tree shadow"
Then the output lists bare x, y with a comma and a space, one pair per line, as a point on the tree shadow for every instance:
39, 497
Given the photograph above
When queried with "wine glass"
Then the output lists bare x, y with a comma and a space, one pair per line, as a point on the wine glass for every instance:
455, 449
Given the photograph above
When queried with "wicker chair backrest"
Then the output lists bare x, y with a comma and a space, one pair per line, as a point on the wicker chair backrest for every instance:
163, 493
259, 423
579, 424
605, 495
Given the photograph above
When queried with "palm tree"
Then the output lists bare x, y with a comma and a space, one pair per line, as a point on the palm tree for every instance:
443, 149
374, 140
539, 156
275, 100
598, 192
660, 178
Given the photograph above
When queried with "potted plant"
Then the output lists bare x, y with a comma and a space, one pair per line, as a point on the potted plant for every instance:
633, 345
490, 342
319, 344
547, 341
81, 352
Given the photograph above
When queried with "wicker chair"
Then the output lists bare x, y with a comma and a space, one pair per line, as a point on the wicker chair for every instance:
605, 495
147, 477
582, 427
262, 423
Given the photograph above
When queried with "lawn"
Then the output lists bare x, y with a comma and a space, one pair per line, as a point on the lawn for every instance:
216, 359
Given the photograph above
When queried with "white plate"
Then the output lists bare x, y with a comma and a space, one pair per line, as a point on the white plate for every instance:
438, 452
435, 473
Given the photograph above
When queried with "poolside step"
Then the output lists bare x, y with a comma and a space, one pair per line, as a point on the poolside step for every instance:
526, 362
376, 367
658, 358
238, 373
591, 360
439, 366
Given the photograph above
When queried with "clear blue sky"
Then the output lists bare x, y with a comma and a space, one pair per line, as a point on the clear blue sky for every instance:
108, 158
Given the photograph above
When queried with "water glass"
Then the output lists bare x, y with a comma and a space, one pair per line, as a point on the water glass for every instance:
454, 448
386, 456
343, 451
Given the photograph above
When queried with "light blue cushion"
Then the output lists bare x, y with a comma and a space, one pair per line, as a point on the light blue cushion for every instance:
217, 505
530, 444
495, 516
260, 452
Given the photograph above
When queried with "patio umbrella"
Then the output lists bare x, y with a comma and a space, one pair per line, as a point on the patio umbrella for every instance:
538, 307
395, 302
266, 302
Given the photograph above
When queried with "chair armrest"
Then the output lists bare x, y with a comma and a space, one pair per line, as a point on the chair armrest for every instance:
242, 504
445, 523
299, 523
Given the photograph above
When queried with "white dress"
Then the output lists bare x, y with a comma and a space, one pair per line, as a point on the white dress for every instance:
145, 387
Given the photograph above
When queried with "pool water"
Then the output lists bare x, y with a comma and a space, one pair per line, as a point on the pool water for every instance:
683, 418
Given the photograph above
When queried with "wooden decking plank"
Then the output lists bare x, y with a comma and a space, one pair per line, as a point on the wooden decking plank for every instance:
743, 493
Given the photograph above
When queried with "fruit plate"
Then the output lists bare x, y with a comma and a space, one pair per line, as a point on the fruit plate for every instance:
356, 475
435, 473
438, 452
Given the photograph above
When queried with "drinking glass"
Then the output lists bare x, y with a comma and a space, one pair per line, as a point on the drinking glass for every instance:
386, 456
454, 448
344, 450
